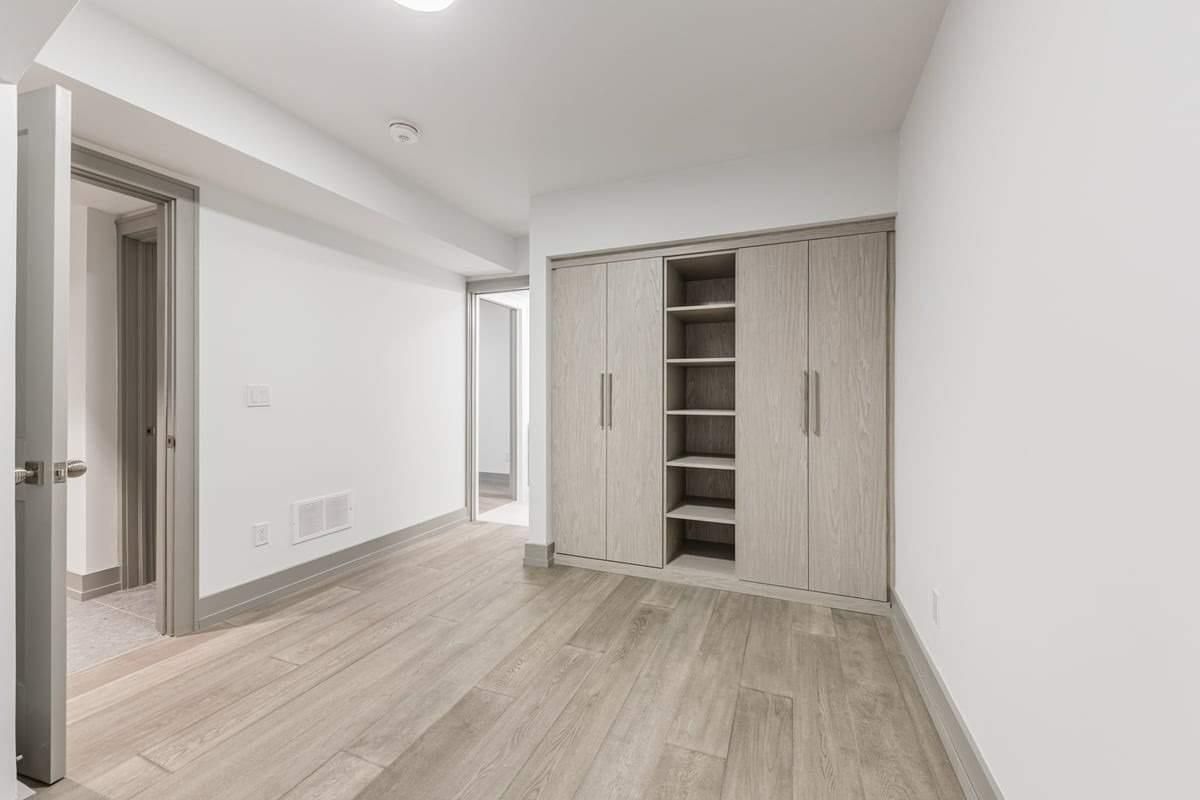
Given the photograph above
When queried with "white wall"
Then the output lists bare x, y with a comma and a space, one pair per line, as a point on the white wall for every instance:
366, 365
8, 307
839, 182
93, 501
103, 445
495, 352
1047, 388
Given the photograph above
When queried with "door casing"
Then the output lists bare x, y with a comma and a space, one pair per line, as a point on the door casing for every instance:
175, 438
475, 290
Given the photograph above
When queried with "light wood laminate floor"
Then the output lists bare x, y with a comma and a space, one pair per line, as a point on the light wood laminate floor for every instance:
449, 670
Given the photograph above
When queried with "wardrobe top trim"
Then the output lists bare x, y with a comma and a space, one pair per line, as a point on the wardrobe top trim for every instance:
719, 244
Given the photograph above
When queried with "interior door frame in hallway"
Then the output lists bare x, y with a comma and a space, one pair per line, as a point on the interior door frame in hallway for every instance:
175, 434
475, 292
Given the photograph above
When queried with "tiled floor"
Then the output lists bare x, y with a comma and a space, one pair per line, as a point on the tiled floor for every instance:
109, 625
509, 513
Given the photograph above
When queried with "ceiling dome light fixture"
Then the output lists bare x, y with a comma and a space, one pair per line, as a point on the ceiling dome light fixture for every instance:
404, 132
426, 5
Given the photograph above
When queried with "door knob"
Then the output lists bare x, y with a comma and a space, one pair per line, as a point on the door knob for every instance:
30, 474
68, 469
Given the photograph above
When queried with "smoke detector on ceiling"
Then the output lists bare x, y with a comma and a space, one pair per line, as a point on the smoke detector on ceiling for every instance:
404, 132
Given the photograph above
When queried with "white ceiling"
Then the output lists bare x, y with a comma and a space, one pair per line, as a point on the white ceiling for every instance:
106, 200
519, 97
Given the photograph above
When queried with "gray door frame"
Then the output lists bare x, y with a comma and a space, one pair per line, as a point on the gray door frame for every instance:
139, 381
476, 290
175, 435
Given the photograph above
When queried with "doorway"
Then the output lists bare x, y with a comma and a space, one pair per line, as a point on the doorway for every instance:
498, 473
113, 379
47, 472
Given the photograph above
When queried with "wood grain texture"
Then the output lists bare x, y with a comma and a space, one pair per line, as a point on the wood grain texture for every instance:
772, 446
892, 762
760, 750
342, 777
600, 629
848, 448
635, 435
558, 765
127, 779
518, 671
705, 715
515, 736
707, 386
768, 664
625, 764
826, 752
710, 339
396, 708
686, 775
578, 358
446, 678
438, 757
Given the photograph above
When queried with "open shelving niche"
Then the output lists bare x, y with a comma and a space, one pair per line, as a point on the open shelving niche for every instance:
700, 359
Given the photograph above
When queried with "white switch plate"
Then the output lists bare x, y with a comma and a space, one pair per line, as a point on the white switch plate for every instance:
262, 534
935, 607
258, 395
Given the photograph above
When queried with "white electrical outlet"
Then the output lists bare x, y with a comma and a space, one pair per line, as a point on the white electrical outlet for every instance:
935, 607
262, 534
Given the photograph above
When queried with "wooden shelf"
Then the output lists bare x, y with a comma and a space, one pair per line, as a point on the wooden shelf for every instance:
701, 362
703, 462
701, 412
709, 312
706, 510
703, 552
704, 266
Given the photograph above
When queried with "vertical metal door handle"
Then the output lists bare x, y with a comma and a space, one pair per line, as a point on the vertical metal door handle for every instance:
816, 405
807, 402
610, 405
601, 401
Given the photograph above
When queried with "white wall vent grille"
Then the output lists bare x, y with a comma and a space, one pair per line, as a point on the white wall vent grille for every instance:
338, 512
321, 516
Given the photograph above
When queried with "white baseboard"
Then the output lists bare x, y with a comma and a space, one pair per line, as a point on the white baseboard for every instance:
969, 765
218, 607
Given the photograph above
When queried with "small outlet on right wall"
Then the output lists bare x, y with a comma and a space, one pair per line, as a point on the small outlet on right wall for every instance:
262, 534
935, 606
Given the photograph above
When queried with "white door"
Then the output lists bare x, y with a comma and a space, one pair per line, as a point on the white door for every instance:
43, 247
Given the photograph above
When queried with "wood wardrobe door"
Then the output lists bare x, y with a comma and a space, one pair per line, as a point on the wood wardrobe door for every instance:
848, 448
635, 434
577, 433
772, 440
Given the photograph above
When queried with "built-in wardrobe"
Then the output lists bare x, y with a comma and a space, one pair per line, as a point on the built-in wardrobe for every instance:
720, 411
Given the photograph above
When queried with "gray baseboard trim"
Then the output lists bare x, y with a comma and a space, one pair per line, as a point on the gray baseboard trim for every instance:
93, 584
216, 608
539, 555
969, 765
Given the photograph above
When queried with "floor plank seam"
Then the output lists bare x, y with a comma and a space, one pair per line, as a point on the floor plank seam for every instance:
364, 675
